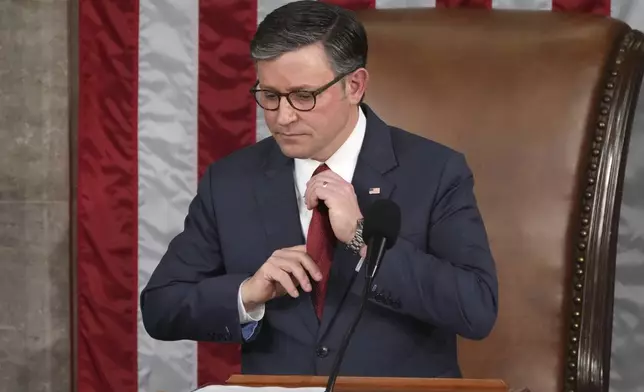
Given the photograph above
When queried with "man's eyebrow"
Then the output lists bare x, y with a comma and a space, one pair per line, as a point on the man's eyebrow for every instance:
306, 87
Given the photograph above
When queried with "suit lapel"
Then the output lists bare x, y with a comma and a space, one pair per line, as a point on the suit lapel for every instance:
277, 204
375, 161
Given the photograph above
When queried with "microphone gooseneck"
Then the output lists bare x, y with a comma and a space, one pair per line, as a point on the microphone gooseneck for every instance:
335, 370
381, 228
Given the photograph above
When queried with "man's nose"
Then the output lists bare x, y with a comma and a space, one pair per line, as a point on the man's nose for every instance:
285, 113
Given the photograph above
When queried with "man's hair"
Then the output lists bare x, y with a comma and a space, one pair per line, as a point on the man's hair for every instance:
302, 23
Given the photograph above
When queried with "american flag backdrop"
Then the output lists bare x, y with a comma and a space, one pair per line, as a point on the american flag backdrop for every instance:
163, 92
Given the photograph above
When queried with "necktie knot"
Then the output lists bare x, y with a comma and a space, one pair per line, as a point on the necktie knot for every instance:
320, 169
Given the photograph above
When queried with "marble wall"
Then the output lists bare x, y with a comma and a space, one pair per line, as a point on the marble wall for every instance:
34, 196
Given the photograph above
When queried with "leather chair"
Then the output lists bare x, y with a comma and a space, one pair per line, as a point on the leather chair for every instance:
541, 104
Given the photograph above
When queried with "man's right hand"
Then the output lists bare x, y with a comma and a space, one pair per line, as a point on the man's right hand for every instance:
282, 273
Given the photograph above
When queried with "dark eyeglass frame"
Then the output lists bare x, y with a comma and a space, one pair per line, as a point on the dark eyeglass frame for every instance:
313, 93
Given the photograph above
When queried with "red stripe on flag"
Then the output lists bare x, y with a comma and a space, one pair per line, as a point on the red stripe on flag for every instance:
601, 7
107, 243
227, 110
354, 5
464, 3
227, 122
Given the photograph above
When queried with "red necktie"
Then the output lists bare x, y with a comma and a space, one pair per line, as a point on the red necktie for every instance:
319, 245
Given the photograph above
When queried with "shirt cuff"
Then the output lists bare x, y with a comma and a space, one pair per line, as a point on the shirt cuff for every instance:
248, 330
246, 317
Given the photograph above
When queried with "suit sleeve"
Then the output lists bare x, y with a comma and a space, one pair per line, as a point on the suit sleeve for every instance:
190, 295
453, 283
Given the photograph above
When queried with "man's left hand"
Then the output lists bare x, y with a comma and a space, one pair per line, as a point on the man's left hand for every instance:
340, 197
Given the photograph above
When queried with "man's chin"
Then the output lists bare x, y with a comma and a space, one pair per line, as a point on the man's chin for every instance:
295, 152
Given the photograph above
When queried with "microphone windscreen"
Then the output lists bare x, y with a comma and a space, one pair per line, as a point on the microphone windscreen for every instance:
382, 220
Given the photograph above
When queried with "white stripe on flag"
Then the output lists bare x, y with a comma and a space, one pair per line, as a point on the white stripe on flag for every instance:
382, 4
522, 4
264, 8
167, 148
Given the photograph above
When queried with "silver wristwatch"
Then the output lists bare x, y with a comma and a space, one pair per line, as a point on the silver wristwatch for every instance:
357, 242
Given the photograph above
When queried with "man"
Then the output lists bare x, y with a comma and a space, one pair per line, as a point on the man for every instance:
261, 262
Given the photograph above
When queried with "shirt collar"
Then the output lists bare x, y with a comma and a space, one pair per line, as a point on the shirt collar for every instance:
342, 162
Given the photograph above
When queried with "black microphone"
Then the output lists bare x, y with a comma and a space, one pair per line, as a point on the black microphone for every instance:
380, 231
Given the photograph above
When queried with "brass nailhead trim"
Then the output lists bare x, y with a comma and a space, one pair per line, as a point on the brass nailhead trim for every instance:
587, 214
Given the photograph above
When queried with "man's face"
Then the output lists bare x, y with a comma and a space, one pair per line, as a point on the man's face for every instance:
317, 133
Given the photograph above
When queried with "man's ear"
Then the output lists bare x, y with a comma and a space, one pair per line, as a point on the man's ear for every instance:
356, 85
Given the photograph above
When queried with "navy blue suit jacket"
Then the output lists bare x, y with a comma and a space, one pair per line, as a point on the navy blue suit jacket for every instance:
437, 282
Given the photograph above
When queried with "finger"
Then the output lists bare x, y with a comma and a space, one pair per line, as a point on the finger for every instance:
293, 267
337, 183
282, 277
310, 198
328, 194
302, 258
328, 175
311, 266
318, 191
334, 181
279, 290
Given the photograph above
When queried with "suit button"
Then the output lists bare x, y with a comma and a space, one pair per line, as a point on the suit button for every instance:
322, 351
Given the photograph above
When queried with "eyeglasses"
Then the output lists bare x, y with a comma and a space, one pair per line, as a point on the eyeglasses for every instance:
301, 100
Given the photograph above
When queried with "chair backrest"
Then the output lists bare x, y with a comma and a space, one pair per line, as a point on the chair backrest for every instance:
541, 105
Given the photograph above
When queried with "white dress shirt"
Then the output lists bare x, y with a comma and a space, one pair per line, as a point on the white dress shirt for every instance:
342, 162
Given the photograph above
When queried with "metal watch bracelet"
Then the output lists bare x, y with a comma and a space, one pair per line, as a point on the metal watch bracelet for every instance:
356, 243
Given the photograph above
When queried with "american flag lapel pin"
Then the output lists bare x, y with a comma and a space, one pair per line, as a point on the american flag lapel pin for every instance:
374, 191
